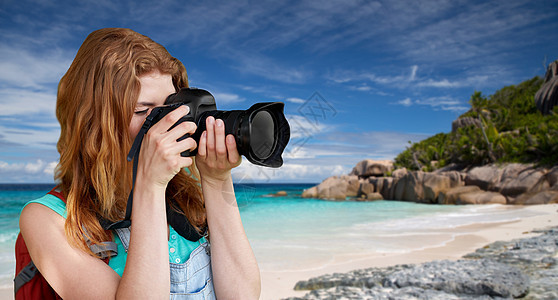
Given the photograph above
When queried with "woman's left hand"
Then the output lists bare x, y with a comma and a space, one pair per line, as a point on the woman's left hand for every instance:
217, 154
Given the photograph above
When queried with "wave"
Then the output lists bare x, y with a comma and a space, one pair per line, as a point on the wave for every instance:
8, 237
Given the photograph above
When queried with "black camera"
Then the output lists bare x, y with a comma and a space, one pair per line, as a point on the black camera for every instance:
261, 132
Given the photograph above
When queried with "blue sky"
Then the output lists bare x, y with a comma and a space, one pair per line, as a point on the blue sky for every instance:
359, 78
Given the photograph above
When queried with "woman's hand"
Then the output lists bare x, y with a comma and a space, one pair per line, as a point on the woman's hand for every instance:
217, 154
160, 158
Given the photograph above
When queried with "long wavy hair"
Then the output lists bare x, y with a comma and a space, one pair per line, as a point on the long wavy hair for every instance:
95, 103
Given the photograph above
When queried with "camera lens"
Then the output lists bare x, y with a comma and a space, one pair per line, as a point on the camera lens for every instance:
262, 134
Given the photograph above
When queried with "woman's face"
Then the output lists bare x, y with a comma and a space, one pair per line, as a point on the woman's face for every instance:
155, 87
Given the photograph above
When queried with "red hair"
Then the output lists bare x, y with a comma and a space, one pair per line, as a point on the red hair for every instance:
95, 103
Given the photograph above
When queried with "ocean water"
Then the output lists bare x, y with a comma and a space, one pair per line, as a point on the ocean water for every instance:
12, 199
292, 233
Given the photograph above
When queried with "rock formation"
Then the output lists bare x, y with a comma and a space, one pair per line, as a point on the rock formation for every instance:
464, 122
369, 167
547, 96
502, 184
278, 194
522, 268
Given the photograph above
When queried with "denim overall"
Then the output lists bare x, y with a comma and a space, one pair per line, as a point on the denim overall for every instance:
191, 280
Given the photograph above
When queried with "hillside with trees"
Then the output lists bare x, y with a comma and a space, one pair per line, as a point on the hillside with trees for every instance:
501, 128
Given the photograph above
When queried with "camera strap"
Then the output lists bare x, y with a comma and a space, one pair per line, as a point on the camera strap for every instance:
177, 220
132, 155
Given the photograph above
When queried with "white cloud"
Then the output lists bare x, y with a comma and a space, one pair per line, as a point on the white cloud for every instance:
385, 80
248, 173
374, 144
331, 153
302, 127
25, 69
438, 103
296, 100
269, 25
227, 98
444, 83
406, 102
336, 153
50, 167
24, 102
416, 84
363, 87
414, 70
37, 167
31, 134
444, 103
34, 168
402, 80
474, 34
28, 81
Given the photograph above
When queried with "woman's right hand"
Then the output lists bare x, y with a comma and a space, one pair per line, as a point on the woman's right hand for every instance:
147, 264
160, 159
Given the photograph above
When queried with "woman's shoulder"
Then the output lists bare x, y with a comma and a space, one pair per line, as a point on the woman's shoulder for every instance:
36, 213
50, 201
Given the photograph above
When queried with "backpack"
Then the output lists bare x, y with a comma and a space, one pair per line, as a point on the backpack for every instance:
29, 283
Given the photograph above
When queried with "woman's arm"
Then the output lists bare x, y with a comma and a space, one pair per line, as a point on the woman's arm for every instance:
147, 266
235, 269
71, 272
76, 275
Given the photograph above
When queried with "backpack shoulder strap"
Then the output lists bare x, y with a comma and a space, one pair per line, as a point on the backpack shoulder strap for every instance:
25, 275
104, 250
56, 192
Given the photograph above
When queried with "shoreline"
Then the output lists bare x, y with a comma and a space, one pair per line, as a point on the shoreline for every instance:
280, 284
468, 238
7, 294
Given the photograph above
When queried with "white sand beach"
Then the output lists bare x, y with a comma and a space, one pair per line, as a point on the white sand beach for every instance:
280, 284
6, 294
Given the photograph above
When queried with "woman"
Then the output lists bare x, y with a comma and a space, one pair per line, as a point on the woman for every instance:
117, 77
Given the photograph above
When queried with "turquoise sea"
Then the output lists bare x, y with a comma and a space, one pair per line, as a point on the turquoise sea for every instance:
292, 233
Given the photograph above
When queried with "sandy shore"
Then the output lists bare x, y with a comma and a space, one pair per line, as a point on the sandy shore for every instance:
277, 285
6, 294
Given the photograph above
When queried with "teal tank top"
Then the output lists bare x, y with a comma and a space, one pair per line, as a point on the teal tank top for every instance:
179, 247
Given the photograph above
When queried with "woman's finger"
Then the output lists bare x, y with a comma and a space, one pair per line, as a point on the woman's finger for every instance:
210, 138
186, 144
184, 162
234, 156
170, 119
180, 131
202, 150
220, 148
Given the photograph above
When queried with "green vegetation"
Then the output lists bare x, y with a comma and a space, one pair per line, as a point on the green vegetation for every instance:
505, 127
